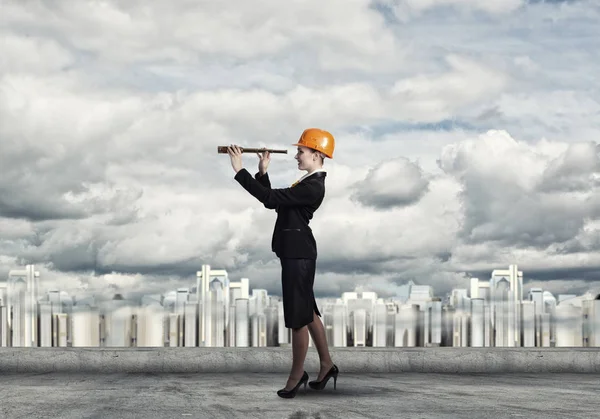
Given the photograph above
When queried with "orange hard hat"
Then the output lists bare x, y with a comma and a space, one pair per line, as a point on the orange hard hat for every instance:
317, 139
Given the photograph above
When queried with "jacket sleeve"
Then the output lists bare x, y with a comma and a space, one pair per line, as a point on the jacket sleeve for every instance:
266, 182
305, 193
264, 179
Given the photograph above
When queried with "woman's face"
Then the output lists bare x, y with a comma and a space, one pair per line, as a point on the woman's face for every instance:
304, 157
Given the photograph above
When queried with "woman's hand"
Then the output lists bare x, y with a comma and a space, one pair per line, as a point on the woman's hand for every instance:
263, 164
236, 157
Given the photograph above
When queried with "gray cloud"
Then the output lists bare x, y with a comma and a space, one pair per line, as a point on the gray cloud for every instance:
576, 170
393, 183
513, 194
35, 200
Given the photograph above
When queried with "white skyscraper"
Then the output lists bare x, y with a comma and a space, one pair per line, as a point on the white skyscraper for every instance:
53, 297
420, 294
477, 322
241, 323
22, 296
3, 316
545, 330
528, 323
151, 324
237, 290
391, 310
261, 299
62, 329
203, 280
577, 316
272, 320
85, 326
379, 324
45, 323
474, 289
364, 301
550, 308
460, 335
460, 318
326, 309
369, 295
181, 298
174, 332
284, 338
118, 322
231, 326
506, 292
447, 324
568, 325
537, 297
4, 326
433, 323
347, 296
190, 323
488, 337
591, 322
406, 325
259, 330
480, 289
258, 306
218, 314
359, 322
340, 324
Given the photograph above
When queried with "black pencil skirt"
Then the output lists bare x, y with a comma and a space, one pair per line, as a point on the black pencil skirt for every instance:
297, 279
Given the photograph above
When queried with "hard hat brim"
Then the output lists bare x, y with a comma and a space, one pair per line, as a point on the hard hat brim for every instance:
304, 145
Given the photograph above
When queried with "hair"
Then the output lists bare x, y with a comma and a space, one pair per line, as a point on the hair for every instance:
319, 154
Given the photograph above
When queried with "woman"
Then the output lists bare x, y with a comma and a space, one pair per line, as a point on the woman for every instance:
295, 246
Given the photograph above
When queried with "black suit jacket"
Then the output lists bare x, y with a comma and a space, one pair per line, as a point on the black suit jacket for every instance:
295, 206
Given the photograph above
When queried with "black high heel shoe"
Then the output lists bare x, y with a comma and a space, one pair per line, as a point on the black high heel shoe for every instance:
320, 385
289, 394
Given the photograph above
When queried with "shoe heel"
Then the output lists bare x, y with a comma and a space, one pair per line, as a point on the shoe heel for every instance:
334, 381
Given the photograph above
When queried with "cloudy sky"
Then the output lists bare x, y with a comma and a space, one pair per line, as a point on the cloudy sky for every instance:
467, 139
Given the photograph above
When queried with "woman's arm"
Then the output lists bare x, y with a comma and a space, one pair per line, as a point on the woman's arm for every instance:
305, 193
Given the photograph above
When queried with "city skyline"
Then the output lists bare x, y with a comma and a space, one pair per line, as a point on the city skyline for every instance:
217, 312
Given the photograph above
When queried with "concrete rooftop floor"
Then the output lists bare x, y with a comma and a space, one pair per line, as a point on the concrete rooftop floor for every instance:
253, 395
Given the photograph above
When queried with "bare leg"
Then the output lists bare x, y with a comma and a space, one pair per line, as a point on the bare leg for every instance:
317, 332
299, 349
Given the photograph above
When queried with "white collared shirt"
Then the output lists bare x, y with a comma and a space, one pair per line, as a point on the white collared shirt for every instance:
307, 175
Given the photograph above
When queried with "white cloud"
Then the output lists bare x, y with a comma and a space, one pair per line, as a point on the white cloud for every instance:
123, 32
30, 54
407, 9
557, 110
440, 96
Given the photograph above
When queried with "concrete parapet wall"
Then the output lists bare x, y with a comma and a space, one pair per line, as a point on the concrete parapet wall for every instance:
277, 359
